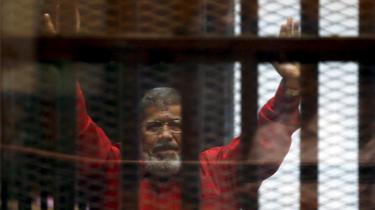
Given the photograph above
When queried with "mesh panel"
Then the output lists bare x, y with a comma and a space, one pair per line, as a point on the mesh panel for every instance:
338, 158
338, 155
46, 166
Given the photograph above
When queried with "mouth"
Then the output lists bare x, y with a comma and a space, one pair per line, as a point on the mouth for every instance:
165, 150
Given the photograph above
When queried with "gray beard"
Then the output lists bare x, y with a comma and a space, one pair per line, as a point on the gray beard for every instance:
166, 167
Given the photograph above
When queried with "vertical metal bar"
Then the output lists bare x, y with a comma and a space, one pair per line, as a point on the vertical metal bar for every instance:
309, 107
122, 16
129, 133
310, 17
4, 179
66, 17
217, 15
28, 128
249, 17
39, 130
66, 138
309, 139
24, 182
189, 19
366, 17
248, 199
366, 166
64, 195
46, 90
3, 164
191, 137
218, 78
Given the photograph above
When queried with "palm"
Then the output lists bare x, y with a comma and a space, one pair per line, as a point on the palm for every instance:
288, 70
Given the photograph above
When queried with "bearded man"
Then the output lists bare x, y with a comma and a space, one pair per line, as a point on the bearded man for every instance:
161, 146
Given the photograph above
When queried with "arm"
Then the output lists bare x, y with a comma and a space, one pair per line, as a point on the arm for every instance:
277, 120
93, 143
99, 158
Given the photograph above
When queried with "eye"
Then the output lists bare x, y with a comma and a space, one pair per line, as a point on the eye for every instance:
175, 125
154, 126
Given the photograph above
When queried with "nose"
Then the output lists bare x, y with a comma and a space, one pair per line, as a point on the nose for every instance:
166, 132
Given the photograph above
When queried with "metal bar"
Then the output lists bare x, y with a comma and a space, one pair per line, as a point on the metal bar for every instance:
213, 13
129, 133
191, 136
3, 163
122, 16
46, 91
249, 17
310, 17
64, 196
29, 129
190, 20
206, 49
218, 77
248, 173
67, 19
24, 186
366, 18
309, 138
309, 108
64, 192
366, 166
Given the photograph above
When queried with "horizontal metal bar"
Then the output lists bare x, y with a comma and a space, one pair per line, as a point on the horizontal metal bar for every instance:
205, 49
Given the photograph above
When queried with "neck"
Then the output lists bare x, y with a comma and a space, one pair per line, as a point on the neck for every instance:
160, 182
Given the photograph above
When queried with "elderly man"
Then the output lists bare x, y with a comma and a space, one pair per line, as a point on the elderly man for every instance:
161, 139
161, 143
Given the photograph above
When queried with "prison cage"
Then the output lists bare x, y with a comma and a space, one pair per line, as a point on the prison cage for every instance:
214, 53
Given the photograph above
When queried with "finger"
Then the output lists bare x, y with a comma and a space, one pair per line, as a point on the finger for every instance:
283, 30
289, 21
296, 29
48, 24
289, 26
78, 19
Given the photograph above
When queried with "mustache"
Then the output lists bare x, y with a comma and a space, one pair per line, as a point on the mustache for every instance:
164, 146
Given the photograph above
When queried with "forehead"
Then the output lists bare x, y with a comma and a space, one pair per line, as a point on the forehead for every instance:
167, 113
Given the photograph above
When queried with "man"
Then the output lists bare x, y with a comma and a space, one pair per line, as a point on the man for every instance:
161, 140
161, 146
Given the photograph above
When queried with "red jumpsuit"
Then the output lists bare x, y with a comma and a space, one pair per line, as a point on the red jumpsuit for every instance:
278, 119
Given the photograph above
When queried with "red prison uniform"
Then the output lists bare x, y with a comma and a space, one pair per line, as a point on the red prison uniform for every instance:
277, 120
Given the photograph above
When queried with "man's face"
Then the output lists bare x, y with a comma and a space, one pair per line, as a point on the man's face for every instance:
161, 131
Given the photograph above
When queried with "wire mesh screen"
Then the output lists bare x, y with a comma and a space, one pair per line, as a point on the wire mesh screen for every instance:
55, 156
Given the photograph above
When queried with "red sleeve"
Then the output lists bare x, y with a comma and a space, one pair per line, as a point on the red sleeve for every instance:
277, 121
94, 147
282, 109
